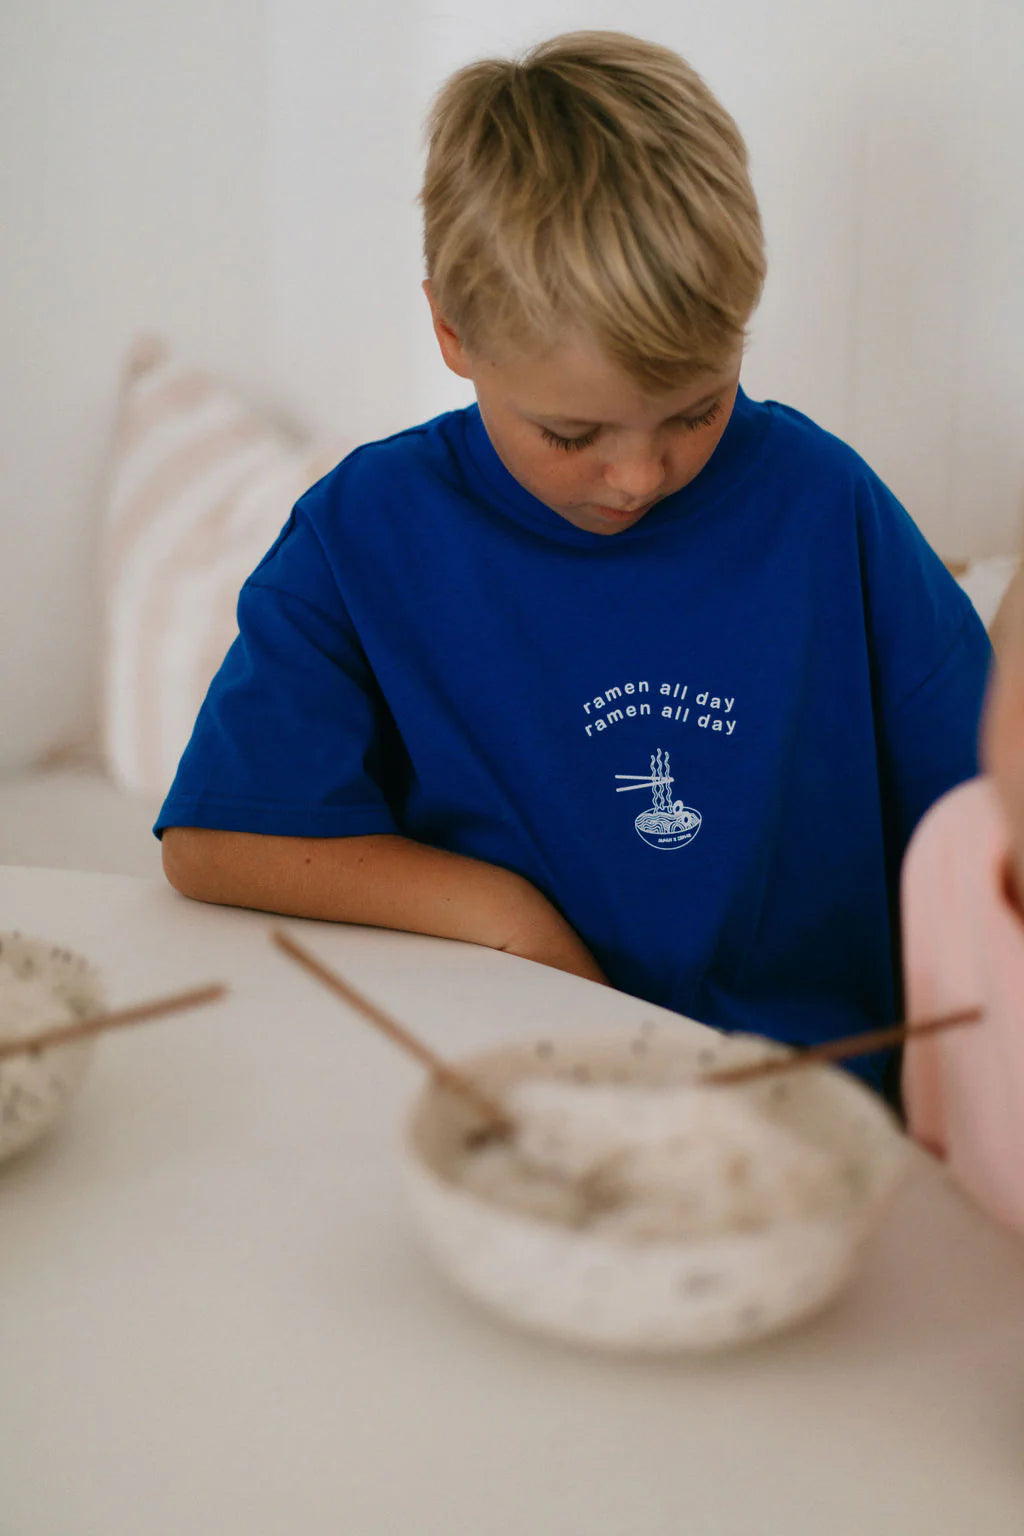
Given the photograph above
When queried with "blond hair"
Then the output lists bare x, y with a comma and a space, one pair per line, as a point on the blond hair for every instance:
596, 185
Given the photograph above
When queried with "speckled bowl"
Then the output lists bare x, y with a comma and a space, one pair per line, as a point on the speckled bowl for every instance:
36, 1089
660, 1296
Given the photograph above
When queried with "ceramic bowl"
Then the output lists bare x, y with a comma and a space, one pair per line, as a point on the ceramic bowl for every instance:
659, 1296
35, 1090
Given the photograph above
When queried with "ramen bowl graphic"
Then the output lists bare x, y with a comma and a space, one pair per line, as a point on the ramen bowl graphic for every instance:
668, 823
669, 829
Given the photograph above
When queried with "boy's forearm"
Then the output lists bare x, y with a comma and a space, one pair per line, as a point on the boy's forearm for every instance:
382, 880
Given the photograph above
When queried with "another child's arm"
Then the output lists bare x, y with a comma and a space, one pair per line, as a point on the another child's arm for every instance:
384, 881
963, 916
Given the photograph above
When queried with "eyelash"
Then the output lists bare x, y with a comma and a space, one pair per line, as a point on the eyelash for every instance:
570, 444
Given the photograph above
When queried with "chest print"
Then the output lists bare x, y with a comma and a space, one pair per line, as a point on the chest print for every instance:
702, 710
668, 823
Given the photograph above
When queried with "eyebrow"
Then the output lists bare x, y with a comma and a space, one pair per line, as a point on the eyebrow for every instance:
572, 421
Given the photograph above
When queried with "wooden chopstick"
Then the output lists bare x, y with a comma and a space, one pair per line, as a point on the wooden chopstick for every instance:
844, 1049
98, 1023
498, 1123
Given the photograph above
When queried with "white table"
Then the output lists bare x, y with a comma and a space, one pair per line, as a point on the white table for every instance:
214, 1320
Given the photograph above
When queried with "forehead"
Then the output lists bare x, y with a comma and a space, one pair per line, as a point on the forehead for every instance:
573, 384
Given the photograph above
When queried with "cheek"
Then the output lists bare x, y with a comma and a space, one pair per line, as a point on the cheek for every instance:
1002, 730
688, 452
696, 453
988, 744
555, 468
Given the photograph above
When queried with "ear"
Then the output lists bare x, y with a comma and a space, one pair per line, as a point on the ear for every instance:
451, 347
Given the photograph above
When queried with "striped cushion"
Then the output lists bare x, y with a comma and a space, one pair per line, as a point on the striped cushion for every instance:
200, 484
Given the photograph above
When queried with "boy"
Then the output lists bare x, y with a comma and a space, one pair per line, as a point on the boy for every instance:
616, 670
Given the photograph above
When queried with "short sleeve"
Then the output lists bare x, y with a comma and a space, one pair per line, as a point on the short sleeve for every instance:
293, 737
930, 658
932, 734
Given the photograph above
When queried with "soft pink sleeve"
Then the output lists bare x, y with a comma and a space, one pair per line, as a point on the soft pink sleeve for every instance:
963, 944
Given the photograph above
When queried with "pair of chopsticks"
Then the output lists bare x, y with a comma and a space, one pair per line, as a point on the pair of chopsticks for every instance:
495, 1118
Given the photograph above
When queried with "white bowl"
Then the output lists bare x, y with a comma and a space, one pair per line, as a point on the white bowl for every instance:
35, 1090
668, 1295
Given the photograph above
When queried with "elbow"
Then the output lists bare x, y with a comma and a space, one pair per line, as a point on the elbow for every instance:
181, 853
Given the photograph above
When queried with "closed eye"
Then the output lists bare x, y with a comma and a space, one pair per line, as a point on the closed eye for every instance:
574, 444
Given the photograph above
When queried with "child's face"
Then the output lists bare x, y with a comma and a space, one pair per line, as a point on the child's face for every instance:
626, 450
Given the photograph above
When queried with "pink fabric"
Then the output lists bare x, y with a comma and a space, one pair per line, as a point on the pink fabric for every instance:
964, 945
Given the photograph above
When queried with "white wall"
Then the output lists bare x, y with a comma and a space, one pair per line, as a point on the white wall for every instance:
241, 175
133, 197
345, 98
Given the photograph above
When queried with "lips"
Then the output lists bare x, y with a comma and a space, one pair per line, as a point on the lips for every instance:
625, 511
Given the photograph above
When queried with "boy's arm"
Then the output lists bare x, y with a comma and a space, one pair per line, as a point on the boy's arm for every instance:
382, 880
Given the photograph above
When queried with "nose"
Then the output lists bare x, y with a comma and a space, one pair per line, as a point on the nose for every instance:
637, 479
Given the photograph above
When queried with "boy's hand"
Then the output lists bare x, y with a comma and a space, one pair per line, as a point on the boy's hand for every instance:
1003, 728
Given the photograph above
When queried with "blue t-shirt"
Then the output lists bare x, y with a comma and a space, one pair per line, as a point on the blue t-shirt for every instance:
707, 739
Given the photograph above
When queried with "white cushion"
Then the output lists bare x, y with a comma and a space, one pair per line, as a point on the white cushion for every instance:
985, 581
200, 483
